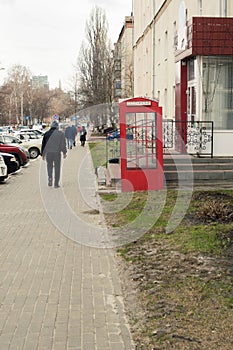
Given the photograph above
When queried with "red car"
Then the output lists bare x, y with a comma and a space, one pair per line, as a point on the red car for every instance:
20, 153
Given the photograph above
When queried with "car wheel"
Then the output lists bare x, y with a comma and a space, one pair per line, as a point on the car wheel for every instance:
34, 152
19, 160
12, 168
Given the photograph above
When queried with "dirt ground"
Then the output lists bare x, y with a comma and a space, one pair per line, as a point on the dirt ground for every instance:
176, 300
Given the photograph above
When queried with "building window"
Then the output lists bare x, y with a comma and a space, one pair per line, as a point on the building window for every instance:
117, 85
191, 69
217, 91
117, 65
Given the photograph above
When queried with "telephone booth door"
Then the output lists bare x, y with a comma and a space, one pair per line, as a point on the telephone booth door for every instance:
141, 145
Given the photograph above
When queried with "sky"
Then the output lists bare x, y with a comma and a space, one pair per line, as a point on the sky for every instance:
46, 35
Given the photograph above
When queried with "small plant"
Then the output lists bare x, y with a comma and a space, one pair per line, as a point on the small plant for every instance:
215, 210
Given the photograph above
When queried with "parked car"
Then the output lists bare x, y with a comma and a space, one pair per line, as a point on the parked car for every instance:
116, 135
11, 162
23, 127
6, 129
2, 130
39, 127
33, 145
20, 153
32, 133
3, 169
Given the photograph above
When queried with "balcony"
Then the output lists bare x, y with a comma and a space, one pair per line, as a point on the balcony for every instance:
205, 36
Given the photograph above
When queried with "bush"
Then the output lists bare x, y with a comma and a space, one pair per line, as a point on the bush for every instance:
215, 210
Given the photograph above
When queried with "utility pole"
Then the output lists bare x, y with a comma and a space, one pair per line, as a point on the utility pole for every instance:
21, 108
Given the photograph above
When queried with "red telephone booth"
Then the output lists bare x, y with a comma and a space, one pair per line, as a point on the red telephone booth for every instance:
141, 146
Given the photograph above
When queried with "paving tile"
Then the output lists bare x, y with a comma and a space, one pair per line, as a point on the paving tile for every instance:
56, 293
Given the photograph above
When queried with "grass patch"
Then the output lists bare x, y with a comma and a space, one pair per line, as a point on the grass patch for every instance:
201, 238
183, 280
192, 235
98, 153
109, 197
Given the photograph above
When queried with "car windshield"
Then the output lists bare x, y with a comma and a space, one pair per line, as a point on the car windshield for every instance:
38, 132
24, 137
11, 139
29, 134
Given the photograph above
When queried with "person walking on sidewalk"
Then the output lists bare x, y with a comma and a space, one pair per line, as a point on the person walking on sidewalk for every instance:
69, 136
74, 134
83, 134
53, 144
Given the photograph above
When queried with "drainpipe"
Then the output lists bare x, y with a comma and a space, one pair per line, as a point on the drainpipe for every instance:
225, 8
153, 52
200, 7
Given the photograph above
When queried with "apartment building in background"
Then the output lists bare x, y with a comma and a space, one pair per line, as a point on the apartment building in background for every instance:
122, 61
40, 81
182, 54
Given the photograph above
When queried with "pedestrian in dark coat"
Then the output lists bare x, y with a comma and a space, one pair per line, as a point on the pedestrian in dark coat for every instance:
69, 136
53, 144
74, 134
83, 135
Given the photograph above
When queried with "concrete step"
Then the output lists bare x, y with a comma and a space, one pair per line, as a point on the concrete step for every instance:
198, 166
204, 171
184, 159
199, 175
198, 170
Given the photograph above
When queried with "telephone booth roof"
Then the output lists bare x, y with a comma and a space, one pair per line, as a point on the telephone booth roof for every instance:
142, 100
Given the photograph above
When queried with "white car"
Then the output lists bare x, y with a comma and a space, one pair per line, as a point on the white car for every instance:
3, 169
33, 145
39, 127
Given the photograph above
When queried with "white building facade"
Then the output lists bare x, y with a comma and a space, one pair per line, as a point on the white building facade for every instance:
183, 55
123, 65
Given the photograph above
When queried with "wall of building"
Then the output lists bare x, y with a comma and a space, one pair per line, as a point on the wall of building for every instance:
126, 58
156, 24
123, 65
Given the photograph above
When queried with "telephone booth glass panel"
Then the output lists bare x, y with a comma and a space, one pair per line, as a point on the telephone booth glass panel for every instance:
141, 136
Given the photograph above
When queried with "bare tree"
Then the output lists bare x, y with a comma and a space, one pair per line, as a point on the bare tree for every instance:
18, 82
73, 93
62, 104
6, 105
23, 103
94, 62
42, 102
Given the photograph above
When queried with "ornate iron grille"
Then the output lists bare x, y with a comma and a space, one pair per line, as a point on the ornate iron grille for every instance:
192, 137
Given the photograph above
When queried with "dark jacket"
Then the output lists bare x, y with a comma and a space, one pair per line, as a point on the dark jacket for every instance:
69, 132
74, 131
54, 142
83, 134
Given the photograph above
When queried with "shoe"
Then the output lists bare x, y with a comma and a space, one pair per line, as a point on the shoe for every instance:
50, 182
56, 186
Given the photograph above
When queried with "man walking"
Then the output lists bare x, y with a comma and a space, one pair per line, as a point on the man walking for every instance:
69, 136
53, 144
74, 134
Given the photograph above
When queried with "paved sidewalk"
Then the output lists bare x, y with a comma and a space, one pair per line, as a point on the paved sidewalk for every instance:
59, 288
